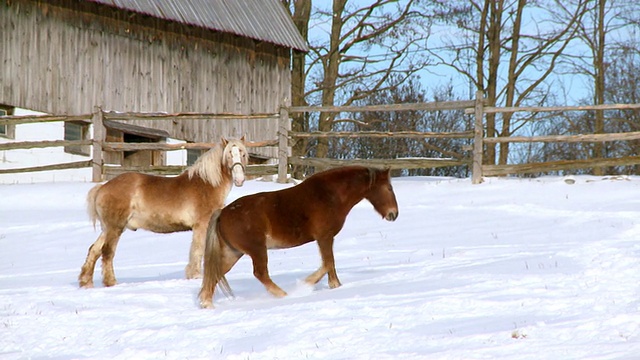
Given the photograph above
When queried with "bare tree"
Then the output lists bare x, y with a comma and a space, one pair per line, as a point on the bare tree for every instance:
367, 43
515, 61
622, 85
600, 31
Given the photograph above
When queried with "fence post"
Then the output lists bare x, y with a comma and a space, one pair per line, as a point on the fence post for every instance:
284, 126
478, 135
98, 139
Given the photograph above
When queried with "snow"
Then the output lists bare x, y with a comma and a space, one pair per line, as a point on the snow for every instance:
508, 269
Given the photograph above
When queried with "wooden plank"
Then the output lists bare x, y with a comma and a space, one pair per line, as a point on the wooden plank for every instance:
490, 109
478, 138
128, 116
99, 136
119, 146
64, 166
169, 170
42, 144
31, 119
503, 170
284, 127
428, 106
404, 163
567, 138
375, 134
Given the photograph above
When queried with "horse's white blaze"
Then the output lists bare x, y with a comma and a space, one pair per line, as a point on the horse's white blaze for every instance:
237, 169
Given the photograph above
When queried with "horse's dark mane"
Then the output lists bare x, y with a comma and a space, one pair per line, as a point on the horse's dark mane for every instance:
372, 176
371, 173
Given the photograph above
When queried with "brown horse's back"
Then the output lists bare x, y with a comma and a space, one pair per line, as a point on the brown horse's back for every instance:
260, 210
315, 208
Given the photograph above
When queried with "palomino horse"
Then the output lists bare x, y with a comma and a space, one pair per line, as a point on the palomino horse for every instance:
315, 209
163, 205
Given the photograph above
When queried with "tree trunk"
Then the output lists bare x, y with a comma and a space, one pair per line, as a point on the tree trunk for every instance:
599, 65
301, 16
512, 78
494, 25
331, 67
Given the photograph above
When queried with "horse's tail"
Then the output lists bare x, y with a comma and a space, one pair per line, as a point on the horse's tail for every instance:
213, 273
91, 204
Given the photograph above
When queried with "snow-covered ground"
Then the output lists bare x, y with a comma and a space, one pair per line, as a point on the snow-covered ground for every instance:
509, 269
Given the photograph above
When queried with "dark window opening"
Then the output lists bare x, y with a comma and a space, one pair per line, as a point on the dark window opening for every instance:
6, 130
193, 155
77, 131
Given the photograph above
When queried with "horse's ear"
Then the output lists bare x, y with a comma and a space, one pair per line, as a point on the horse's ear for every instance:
242, 138
224, 141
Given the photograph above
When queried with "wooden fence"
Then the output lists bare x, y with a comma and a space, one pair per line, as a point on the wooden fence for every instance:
478, 109
99, 169
475, 107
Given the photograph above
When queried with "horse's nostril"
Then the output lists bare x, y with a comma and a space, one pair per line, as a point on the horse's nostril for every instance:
392, 215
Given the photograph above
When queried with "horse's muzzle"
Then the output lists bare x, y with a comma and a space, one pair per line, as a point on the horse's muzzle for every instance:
391, 215
237, 171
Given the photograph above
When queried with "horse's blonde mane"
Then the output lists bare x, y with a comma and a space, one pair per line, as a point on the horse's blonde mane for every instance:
208, 165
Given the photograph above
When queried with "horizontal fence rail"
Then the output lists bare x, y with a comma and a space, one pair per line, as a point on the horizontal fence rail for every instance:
378, 134
397, 163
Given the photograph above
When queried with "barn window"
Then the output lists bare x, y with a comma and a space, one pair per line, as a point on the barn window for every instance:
77, 131
193, 155
7, 131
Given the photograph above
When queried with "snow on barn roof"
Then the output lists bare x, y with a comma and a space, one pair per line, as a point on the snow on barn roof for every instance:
264, 20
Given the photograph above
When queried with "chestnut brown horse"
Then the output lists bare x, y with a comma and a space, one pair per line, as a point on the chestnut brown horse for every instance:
315, 209
163, 205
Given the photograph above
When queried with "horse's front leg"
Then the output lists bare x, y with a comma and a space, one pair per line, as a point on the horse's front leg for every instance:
328, 264
194, 267
316, 276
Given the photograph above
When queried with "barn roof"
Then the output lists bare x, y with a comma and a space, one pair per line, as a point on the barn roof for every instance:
264, 20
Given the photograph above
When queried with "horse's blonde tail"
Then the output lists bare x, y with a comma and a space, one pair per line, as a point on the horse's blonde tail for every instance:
213, 271
91, 204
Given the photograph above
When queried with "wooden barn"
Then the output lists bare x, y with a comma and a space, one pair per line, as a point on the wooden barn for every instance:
173, 56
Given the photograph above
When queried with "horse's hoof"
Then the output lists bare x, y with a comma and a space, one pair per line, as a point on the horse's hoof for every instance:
206, 304
192, 274
88, 285
109, 283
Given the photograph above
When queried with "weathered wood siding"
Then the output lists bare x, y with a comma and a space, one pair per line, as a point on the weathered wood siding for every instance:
65, 57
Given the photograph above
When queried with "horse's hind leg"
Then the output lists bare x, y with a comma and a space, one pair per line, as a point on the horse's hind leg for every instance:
194, 267
108, 252
227, 259
261, 272
85, 279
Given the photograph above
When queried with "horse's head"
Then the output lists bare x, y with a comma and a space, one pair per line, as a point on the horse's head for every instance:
381, 195
235, 158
